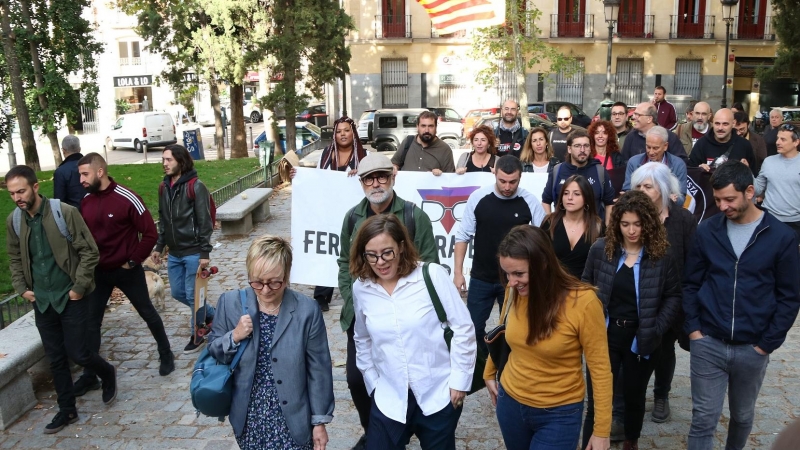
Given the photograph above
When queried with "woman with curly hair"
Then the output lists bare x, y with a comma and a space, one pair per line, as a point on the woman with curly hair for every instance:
537, 154
482, 156
639, 285
605, 147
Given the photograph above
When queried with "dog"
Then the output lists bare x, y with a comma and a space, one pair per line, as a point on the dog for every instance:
155, 285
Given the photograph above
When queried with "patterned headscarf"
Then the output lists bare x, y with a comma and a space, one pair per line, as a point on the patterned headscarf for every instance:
330, 156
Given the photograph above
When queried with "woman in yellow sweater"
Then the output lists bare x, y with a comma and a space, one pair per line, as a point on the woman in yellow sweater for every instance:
553, 320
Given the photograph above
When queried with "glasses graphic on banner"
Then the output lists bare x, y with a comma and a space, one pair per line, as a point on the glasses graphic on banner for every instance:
436, 210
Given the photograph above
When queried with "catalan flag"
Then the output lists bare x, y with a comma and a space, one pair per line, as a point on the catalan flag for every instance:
449, 16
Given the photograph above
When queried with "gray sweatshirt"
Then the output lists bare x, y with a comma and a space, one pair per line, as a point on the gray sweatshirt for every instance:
779, 183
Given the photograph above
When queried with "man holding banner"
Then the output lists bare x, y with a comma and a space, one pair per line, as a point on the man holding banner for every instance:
377, 180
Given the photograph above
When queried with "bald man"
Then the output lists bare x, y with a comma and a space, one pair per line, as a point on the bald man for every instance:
644, 118
66, 181
771, 133
690, 132
721, 145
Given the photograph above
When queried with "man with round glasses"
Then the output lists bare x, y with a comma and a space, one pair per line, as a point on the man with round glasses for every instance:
619, 118
377, 180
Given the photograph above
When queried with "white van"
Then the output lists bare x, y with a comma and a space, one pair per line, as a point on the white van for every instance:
156, 129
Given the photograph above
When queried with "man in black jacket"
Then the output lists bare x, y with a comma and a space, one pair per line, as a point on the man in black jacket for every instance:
722, 145
741, 294
184, 226
66, 180
644, 118
509, 131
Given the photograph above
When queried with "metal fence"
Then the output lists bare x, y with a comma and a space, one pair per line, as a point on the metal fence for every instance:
12, 308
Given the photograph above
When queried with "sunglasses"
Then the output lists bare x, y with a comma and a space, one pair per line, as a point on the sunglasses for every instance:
563, 119
790, 127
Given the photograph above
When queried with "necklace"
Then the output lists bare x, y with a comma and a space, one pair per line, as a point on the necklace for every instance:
270, 311
575, 225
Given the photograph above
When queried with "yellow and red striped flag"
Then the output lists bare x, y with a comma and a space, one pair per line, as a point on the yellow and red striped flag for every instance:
449, 16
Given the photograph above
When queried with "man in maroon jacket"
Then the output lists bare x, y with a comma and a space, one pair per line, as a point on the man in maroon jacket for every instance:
667, 117
116, 217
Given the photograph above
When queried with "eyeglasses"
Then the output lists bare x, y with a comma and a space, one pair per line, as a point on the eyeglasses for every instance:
273, 285
369, 181
617, 114
559, 119
581, 146
372, 258
436, 210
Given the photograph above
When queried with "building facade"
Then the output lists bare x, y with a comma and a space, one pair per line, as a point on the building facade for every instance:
399, 61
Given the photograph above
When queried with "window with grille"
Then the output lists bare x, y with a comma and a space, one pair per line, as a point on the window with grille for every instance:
569, 84
394, 83
688, 79
629, 80
506, 81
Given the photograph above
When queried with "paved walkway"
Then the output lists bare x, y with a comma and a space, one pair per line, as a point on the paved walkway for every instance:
153, 412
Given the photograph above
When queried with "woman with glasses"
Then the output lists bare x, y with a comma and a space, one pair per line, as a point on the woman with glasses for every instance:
639, 285
605, 147
537, 155
555, 321
778, 183
283, 386
417, 385
482, 156
575, 225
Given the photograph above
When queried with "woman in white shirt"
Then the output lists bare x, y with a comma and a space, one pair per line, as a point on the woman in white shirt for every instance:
417, 386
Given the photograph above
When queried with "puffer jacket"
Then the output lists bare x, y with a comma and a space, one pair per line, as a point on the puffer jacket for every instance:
184, 224
659, 291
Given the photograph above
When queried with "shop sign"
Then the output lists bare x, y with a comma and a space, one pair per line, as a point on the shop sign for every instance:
135, 81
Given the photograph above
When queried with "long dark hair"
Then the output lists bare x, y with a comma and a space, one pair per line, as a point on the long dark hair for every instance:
330, 156
548, 295
654, 235
612, 146
591, 221
380, 224
182, 157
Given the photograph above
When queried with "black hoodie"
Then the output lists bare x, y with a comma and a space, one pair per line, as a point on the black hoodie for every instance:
604, 195
707, 149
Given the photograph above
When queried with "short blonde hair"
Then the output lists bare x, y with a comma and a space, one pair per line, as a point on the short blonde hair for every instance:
267, 253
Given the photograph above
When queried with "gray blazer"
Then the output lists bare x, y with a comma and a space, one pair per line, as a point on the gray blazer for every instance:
301, 360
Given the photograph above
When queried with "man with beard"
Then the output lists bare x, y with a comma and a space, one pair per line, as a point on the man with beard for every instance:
558, 137
722, 145
691, 131
619, 118
377, 180
185, 226
491, 212
117, 218
741, 122
509, 132
740, 296
425, 152
771, 133
644, 118
667, 116
580, 163
54, 270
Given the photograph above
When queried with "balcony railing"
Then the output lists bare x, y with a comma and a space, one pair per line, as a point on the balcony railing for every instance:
753, 28
572, 25
691, 27
389, 27
635, 26
457, 34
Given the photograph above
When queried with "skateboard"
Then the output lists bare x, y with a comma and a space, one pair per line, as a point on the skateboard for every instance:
202, 323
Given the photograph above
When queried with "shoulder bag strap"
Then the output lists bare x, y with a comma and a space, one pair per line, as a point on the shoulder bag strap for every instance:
235, 362
437, 305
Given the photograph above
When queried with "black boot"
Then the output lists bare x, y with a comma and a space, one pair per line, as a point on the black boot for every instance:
167, 363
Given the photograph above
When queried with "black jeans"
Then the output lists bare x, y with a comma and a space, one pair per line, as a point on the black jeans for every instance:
64, 337
665, 365
324, 293
435, 432
636, 372
133, 284
355, 382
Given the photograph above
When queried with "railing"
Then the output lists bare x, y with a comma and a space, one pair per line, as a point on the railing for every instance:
457, 34
12, 308
749, 28
572, 25
124, 61
387, 27
635, 26
136, 61
691, 27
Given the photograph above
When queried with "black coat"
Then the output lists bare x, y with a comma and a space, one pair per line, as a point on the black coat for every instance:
67, 185
659, 291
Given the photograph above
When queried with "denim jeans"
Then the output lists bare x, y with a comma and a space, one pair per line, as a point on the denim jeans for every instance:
528, 428
481, 298
182, 271
715, 368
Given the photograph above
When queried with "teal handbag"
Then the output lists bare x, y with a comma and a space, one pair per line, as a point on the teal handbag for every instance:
212, 382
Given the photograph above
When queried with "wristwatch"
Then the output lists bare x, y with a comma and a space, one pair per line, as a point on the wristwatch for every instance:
132, 263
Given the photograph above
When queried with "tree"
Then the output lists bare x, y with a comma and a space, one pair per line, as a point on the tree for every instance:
517, 41
307, 46
784, 22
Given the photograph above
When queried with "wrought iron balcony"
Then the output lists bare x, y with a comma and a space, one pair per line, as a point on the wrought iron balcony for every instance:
392, 27
637, 26
752, 28
691, 27
572, 25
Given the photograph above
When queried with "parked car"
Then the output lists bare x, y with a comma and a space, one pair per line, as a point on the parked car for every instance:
205, 116
549, 111
154, 128
535, 120
447, 114
310, 112
791, 114
252, 111
365, 126
474, 115
306, 133
391, 126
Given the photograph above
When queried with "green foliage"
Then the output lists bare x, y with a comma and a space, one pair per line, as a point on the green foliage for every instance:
186, 98
785, 17
517, 41
122, 106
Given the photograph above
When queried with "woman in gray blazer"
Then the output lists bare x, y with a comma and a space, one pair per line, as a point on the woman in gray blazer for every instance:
283, 386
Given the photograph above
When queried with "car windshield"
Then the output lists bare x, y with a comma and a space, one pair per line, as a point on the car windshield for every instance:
367, 115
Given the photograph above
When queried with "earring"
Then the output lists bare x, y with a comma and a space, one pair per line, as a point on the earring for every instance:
561, 206
586, 207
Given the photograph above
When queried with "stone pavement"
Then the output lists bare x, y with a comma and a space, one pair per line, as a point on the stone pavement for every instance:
153, 412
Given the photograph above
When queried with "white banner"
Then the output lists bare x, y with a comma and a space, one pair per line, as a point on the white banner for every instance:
321, 198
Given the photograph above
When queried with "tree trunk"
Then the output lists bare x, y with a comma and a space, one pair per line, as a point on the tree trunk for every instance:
239, 139
290, 130
37, 74
519, 65
219, 139
25, 130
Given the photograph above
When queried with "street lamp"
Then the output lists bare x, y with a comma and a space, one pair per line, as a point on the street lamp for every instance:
728, 7
611, 11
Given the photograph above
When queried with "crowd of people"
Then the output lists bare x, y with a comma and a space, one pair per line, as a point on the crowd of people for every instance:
595, 286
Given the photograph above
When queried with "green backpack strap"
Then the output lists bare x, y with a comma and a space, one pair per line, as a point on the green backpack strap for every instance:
437, 304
